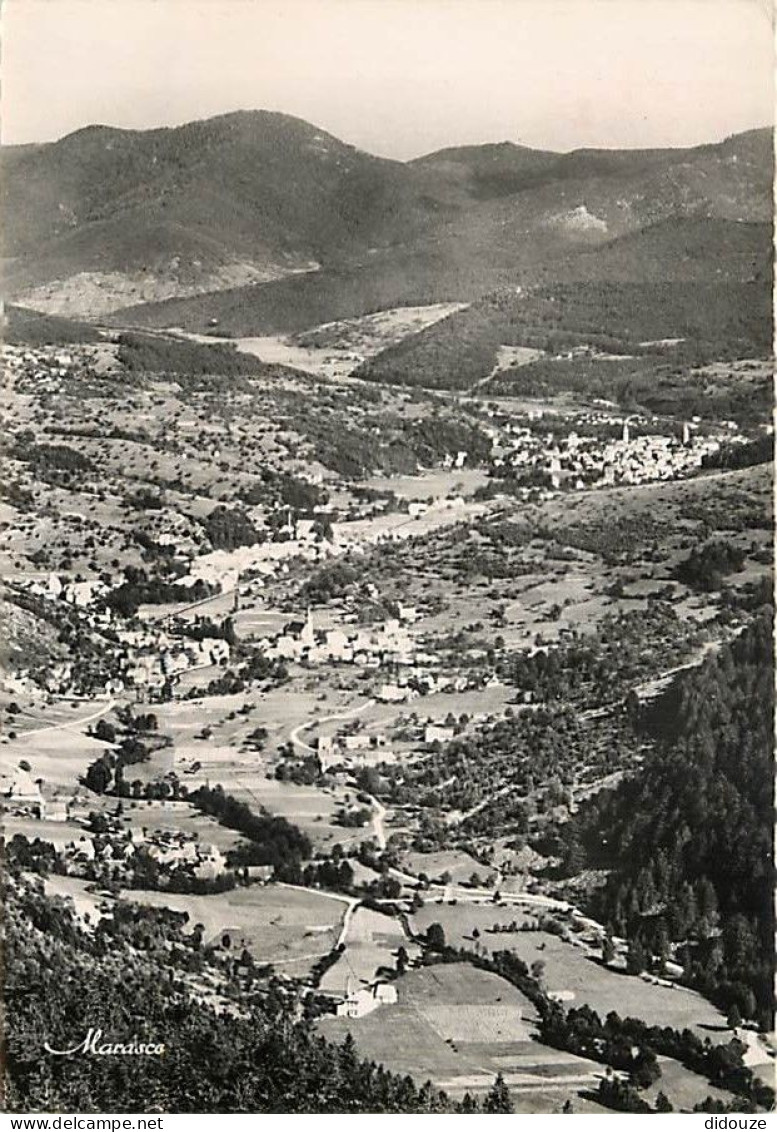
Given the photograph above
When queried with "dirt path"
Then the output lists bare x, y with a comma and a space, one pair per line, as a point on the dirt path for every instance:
71, 724
295, 732
351, 901
378, 817
378, 811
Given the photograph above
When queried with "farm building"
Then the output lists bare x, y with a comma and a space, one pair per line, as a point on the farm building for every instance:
366, 999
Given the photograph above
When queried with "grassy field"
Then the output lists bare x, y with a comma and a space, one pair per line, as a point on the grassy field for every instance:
86, 904
683, 1088
58, 833
439, 483
247, 774
459, 1027
289, 928
456, 862
459, 920
60, 755
568, 968
371, 943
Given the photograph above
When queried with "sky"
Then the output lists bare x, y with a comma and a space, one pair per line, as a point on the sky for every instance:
396, 77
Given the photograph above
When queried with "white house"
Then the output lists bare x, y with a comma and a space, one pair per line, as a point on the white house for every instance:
211, 862
366, 999
337, 644
392, 694
356, 742
385, 993
434, 733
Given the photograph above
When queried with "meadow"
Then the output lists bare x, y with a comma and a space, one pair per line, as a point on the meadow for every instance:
287, 927
458, 1027
572, 970
372, 942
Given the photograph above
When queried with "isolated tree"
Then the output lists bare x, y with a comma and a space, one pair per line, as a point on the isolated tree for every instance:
435, 937
498, 1097
608, 949
663, 1104
105, 731
98, 777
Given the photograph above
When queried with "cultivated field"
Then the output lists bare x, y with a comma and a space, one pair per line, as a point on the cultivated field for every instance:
459, 1027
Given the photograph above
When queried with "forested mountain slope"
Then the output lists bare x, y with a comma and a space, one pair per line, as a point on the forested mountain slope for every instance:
105, 219
127, 978
689, 838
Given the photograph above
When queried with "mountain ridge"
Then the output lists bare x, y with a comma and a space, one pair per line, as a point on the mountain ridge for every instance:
106, 219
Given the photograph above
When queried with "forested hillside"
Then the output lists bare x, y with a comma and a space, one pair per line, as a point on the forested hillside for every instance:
127, 978
711, 321
690, 837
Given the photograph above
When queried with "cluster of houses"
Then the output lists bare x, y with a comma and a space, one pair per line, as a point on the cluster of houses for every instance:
419, 680
387, 646
44, 363
145, 659
583, 460
387, 643
155, 655
301, 542
81, 594
171, 852
365, 748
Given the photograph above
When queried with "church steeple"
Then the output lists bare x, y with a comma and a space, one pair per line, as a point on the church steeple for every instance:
308, 635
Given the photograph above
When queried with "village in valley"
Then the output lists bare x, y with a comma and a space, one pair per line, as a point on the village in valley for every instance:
387, 559
340, 720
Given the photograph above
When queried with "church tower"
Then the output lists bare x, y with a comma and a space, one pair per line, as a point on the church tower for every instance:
308, 634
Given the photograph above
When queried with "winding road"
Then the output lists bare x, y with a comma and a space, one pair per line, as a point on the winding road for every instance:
69, 725
295, 732
352, 902
378, 811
